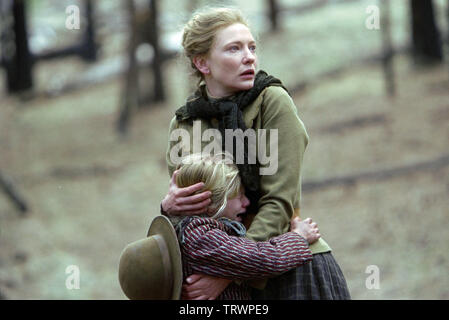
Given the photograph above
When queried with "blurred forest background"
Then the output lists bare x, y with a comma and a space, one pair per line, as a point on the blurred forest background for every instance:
84, 114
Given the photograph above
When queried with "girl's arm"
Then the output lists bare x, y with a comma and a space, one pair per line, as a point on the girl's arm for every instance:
212, 251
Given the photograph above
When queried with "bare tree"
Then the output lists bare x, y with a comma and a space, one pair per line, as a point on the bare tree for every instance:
388, 52
425, 35
11, 192
129, 100
15, 54
143, 29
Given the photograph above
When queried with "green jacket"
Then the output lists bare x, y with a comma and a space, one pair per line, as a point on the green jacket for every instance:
281, 191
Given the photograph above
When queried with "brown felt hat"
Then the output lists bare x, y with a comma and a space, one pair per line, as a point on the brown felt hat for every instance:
151, 268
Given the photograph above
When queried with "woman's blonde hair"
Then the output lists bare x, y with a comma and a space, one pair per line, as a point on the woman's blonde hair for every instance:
219, 175
199, 33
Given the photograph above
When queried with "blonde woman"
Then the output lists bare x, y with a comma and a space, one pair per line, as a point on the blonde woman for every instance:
233, 95
214, 243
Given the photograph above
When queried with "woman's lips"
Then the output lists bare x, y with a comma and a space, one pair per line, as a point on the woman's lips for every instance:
247, 75
248, 72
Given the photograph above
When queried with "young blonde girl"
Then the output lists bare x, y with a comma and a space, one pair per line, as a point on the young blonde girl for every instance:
214, 243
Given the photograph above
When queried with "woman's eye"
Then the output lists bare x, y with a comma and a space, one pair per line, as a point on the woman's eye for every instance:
234, 48
252, 48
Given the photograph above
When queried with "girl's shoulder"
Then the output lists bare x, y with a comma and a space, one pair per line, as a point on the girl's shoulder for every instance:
201, 221
194, 229
202, 225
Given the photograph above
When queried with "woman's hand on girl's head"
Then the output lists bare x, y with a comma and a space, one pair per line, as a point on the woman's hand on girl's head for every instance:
183, 201
306, 228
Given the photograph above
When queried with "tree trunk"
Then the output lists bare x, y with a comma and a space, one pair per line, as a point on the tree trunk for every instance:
388, 52
425, 36
130, 94
159, 93
8, 188
273, 14
16, 56
89, 50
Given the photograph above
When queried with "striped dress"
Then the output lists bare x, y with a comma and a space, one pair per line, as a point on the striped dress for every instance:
213, 247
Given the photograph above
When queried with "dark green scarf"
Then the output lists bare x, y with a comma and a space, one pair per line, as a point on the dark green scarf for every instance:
229, 113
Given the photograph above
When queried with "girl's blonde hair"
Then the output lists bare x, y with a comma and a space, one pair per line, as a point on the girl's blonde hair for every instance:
219, 175
199, 33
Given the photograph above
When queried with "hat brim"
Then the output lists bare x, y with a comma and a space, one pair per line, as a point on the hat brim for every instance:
161, 225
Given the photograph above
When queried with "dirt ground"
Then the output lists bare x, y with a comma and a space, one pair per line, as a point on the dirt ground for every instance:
92, 192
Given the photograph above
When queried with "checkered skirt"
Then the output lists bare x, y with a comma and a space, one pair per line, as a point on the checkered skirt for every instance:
320, 279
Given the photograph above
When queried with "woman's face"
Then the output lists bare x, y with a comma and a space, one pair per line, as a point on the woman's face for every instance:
231, 62
236, 206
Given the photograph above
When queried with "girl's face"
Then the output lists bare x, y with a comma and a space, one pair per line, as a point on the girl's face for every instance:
236, 206
231, 63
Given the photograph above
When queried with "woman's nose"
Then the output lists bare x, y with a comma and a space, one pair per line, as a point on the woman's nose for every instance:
249, 57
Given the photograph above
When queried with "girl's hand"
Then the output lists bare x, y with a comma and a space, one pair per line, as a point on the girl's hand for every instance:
307, 229
203, 287
182, 201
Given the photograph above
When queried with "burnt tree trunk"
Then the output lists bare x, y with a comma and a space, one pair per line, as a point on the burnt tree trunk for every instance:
130, 94
89, 48
159, 93
425, 35
10, 191
273, 14
388, 52
15, 53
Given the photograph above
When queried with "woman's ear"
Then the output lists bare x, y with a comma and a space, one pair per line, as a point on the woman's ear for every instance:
201, 64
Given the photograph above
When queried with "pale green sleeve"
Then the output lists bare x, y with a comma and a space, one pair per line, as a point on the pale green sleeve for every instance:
280, 191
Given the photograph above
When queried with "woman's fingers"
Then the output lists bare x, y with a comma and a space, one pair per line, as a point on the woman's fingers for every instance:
189, 208
188, 191
192, 289
197, 198
185, 199
203, 208
192, 296
173, 177
193, 278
